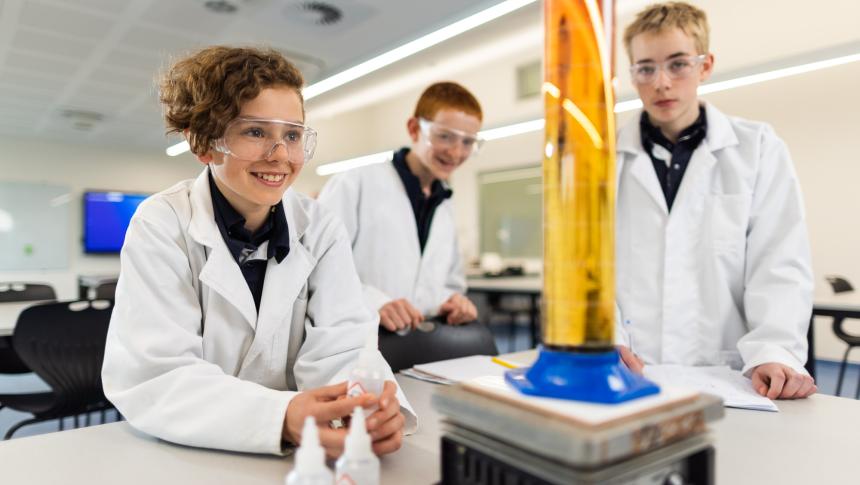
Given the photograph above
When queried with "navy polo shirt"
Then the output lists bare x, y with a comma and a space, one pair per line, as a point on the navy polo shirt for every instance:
671, 163
423, 207
242, 243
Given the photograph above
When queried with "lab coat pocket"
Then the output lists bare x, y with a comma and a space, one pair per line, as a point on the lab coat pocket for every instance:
729, 222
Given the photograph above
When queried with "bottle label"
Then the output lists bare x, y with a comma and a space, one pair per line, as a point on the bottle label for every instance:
345, 480
355, 389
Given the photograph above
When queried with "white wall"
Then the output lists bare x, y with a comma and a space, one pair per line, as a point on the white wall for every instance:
81, 167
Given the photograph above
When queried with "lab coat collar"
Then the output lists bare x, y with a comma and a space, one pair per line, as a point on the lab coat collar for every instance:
720, 133
221, 272
203, 229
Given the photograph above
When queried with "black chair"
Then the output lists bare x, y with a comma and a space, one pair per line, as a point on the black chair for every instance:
10, 363
841, 285
105, 291
440, 342
11, 292
64, 345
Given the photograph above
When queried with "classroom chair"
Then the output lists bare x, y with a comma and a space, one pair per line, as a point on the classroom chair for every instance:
13, 292
63, 343
435, 340
105, 291
19, 292
841, 285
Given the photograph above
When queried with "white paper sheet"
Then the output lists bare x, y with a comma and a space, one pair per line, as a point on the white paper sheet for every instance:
735, 389
456, 370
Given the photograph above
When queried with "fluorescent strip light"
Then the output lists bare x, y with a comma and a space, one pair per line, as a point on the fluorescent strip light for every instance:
511, 130
413, 47
351, 163
777, 74
178, 149
628, 105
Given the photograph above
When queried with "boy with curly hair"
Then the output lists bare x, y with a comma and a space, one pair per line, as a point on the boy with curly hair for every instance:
238, 312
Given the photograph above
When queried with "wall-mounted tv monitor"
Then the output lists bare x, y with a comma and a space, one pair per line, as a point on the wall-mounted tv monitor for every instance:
106, 218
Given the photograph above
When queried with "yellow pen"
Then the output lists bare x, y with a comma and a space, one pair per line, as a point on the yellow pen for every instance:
503, 363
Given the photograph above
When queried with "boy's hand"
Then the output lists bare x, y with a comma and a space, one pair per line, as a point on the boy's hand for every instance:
324, 404
386, 424
459, 309
631, 360
399, 314
778, 381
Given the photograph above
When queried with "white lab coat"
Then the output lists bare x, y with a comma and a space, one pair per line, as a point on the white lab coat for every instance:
373, 205
725, 278
189, 360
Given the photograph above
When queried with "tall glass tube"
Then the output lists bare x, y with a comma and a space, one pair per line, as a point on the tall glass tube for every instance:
579, 177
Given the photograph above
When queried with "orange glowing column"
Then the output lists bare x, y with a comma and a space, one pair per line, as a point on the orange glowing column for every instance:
579, 177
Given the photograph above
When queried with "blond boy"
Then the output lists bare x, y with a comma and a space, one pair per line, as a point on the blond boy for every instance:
713, 256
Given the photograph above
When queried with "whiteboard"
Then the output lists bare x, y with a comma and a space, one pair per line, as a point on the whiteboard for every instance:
34, 226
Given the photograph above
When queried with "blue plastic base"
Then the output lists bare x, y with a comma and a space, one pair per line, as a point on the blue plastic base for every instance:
590, 377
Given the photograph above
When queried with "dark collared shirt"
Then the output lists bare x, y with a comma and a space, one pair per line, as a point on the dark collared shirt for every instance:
422, 206
242, 243
670, 174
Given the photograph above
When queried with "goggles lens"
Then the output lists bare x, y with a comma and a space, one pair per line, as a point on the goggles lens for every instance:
257, 139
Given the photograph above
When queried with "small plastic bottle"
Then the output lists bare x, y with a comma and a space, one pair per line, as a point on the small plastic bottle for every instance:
368, 375
309, 466
358, 465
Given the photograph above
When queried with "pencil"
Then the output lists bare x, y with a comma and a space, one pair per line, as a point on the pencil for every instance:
503, 363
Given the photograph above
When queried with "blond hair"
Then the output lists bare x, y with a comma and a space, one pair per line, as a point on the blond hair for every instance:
660, 17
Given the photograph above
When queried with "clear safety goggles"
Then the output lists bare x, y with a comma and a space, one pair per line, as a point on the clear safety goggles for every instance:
257, 139
444, 138
679, 67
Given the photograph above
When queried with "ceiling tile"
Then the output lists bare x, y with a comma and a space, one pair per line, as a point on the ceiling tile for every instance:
45, 65
116, 75
99, 88
65, 20
30, 40
30, 78
13, 97
102, 6
148, 62
158, 41
187, 17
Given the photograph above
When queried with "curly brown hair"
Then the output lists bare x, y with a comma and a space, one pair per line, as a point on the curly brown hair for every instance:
203, 92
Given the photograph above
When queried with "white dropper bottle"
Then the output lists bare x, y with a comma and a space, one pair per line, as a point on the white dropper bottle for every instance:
358, 465
368, 375
309, 466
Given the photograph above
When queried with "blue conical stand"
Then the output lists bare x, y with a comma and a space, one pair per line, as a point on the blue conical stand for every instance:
591, 377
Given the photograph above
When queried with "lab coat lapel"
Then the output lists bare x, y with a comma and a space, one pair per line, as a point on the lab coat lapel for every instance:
698, 176
284, 287
640, 167
221, 272
404, 213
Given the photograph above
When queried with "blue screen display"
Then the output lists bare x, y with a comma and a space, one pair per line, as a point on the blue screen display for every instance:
106, 218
